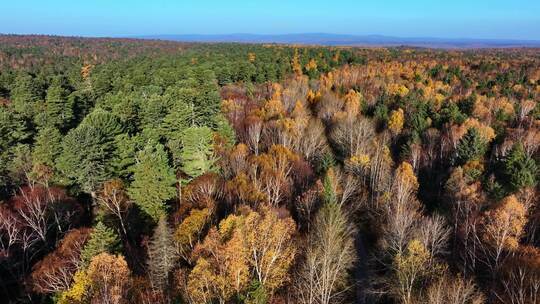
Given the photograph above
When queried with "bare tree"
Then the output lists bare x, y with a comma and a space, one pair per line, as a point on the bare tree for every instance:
113, 199
434, 234
33, 213
313, 142
520, 277
162, 255
254, 133
323, 276
353, 137
9, 228
450, 290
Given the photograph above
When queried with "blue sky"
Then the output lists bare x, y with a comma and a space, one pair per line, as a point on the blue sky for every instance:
516, 19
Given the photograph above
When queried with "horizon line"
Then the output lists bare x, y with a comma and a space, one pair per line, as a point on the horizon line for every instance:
141, 36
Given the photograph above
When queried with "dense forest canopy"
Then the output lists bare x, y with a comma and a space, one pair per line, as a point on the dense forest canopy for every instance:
136, 171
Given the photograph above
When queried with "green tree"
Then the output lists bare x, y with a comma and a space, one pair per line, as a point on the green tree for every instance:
179, 119
153, 181
58, 110
197, 155
520, 170
47, 146
88, 151
225, 130
20, 164
24, 95
102, 239
124, 159
12, 131
470, 147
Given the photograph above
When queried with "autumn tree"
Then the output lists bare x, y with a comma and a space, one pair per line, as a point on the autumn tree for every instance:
396, 121
520, 282
110, 279
268, 239
188, 233
402, 210
222, 267
251, 246
54, 273
410, 269
502, 228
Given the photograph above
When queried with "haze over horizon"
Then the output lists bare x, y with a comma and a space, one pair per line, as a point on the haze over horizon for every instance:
519, 20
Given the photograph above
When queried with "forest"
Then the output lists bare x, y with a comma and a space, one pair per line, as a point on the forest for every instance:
155, 172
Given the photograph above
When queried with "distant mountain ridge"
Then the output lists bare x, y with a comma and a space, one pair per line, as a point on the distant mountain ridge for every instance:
352, 40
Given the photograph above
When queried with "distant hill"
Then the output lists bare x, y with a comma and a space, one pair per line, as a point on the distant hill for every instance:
352, 40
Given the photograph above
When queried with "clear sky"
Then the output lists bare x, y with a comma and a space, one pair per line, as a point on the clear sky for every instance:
517, 19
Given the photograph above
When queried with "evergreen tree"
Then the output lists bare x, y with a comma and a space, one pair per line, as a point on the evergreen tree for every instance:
124, 158
47, 146
102, 239
58, 110
520, 170
13, 130
88, 151
153, 181
225, 130
197, 156
25, 94
470, 147
20, 164
180, 118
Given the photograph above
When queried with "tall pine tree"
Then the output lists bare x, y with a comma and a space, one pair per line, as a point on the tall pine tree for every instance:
154, 181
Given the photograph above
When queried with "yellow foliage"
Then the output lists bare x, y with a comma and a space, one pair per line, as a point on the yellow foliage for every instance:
363, 160
277, 91
85, 71
473, 166
201, 283
398, 89
352, 103
78, 290
312, 65
396, 121
335, 58
415, 257
505, 223
269, 238
247, 247
188, 231
228, 225
406, 174
439, 98
273, 108
411, 267
229, 106
110, 278
252, 57
486, 132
